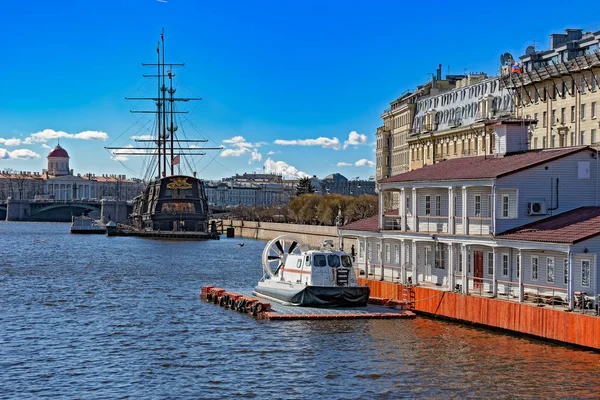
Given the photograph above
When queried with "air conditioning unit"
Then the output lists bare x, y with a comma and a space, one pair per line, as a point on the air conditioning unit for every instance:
536, 208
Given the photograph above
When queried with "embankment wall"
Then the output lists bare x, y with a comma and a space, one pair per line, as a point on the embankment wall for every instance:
543, 322
312, 235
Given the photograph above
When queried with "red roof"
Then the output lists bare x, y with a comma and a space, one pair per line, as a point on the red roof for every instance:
568, 227
58, 152
368, 224
482, 167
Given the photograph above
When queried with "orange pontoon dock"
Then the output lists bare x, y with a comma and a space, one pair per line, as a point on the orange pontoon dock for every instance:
262, 309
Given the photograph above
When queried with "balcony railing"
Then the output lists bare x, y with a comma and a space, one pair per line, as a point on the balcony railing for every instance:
392, 223
431, 223
479, 226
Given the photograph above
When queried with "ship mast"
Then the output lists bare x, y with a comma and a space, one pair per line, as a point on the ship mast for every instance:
165, 133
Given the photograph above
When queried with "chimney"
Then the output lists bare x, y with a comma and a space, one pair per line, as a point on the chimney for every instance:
439, 73
511, 137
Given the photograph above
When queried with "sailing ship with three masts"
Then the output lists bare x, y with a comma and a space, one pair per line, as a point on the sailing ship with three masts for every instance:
172, 205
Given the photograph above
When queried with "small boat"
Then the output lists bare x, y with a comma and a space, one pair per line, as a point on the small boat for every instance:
86, 225
313, 278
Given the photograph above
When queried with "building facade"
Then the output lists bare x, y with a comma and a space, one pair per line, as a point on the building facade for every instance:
259, 190
521, 224
559, 88
60, 183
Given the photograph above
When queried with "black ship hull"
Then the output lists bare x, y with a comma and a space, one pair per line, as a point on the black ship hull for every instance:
173, 204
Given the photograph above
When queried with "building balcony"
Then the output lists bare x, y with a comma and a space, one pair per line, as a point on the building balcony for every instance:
477, 226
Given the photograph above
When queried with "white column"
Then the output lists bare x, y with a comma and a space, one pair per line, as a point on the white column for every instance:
402, 261
521, 292
402, 210
380, 211
570, 285
451, 216
465, 220
451, 266
381, 258
414, 208
415, 269
465, 263
494, 273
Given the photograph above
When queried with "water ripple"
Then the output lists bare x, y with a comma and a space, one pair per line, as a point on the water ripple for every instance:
97, 317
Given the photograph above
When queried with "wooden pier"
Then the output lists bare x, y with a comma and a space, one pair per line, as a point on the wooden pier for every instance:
261, 309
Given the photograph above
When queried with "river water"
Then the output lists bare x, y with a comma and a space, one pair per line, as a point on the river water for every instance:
86, 316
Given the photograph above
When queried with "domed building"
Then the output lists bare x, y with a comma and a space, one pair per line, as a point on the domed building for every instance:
58, 162
58, 182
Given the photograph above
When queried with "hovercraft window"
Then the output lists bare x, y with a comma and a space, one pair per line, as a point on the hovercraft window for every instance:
319, 260
333, 260
347, 261
308, 261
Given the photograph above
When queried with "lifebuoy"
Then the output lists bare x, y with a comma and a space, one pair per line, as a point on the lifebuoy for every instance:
215, 299
209, 297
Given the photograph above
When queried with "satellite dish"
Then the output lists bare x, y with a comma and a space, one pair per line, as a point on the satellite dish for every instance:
529, 50
506, 59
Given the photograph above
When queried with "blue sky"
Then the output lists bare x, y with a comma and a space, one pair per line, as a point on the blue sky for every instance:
291, 87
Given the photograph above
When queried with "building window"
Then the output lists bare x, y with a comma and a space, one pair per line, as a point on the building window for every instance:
585, 273
572, 138
378, 255
582, 138
427, 205
490, 263
535, 143
478, 206
490, 206
369, 251
594, 83
572, 113
553, 141
428, 255
534, 268
553, 116
544, 119
563, 114
504, 264
593, 110
518, 266
550, 269
438, 205
505, 206
440, 257
566, 271
460, 260
388, 256
583, 112
594, 136
397, 254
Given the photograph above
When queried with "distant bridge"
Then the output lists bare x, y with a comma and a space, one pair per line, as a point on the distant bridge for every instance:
46, 210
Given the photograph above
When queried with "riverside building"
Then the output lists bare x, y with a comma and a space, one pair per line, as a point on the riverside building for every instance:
60, 183
505, 224
559, 88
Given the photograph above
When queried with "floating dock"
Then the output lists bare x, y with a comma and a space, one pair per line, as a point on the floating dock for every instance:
262, 309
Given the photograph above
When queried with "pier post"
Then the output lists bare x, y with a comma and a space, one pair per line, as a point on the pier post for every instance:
18, 210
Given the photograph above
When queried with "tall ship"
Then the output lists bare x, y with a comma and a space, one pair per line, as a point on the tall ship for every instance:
172, 204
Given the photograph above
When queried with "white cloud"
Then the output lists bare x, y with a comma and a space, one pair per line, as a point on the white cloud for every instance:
282, 168
118, 155
355, 139
143, 137
270, 153
238, 146
234, 152
22, 154
10, 142
327, 143
238, 141
45, 146
49, 134
255, 156
344, 164
364, 162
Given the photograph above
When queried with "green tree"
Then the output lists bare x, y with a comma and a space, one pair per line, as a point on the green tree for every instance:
304, 187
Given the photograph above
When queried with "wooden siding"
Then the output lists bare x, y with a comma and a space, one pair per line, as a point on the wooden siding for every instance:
534, 184
573, 328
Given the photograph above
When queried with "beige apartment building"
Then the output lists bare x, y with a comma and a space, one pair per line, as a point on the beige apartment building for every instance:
559, 88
